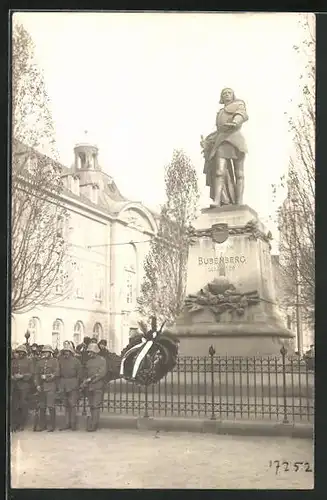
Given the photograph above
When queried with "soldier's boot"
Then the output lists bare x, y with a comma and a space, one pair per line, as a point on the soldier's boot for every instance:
67, 420
36, 420
18, 426
52, 425
96, 418
42, 420
73, 419
90, 421
23, 417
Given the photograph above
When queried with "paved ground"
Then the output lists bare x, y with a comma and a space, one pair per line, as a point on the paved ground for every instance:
139, 459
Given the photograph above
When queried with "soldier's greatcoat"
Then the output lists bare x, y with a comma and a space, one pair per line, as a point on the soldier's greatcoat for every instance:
50, 368
21, 389
70, 371
23, 366
96, 369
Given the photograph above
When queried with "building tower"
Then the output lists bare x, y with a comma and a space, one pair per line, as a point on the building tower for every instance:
86, 155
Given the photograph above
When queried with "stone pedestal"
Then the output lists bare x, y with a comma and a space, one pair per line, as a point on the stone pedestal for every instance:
244, 261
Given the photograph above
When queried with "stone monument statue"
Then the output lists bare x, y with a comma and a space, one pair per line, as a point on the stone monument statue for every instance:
230, 300
224, 152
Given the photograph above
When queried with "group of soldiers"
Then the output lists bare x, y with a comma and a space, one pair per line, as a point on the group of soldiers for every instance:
69, 373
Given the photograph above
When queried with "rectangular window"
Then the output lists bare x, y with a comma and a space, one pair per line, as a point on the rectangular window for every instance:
129, 287
98, 283
60, 283
79, 282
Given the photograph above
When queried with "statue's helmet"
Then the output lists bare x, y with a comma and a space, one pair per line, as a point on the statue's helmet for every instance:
222, 94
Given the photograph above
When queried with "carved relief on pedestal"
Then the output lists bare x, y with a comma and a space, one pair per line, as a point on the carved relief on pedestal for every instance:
221, 296
220, 232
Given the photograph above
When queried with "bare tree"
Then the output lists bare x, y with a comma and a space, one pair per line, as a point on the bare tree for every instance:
296, 217
163, 288
38, 247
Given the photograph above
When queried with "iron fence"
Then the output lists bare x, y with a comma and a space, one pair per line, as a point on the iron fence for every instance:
275, 388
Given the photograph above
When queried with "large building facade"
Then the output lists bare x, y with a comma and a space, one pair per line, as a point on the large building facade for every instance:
294, 320
295, 245
108, 238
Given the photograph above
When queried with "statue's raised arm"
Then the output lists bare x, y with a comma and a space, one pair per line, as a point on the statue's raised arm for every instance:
224, 152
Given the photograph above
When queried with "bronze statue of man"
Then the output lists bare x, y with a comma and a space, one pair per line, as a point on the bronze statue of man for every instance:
224, 152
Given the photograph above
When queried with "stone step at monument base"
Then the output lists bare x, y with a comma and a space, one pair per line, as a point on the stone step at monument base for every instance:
231, 339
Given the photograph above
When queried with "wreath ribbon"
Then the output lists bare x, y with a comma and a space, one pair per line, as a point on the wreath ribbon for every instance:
142, 354
147, 344
134, 348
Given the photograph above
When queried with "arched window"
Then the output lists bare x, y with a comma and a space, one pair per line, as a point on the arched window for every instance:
31, 164
82, 160
94, 193
57, 332
97, 331
75, 184
78, 332
34, 329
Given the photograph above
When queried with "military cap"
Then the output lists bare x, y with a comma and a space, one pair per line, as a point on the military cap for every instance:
93, 348
21, 348
47, 348
67, 347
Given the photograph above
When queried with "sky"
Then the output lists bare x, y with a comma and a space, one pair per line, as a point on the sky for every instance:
144, 84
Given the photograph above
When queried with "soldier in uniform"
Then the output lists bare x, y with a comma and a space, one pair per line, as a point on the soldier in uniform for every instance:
46, 374
34, 351
70, 372
34, 355
95, 373
81, 350
113, 361
21, 376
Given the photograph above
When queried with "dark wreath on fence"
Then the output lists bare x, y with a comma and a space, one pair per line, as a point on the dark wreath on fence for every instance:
148, 357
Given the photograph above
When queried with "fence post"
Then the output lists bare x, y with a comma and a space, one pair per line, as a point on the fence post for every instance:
283, 352
212, 352
84, 405
146, 415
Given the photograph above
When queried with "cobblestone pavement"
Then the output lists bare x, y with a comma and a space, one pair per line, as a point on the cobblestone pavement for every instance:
114, 458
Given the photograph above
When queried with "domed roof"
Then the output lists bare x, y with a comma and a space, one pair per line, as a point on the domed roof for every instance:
85, 139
